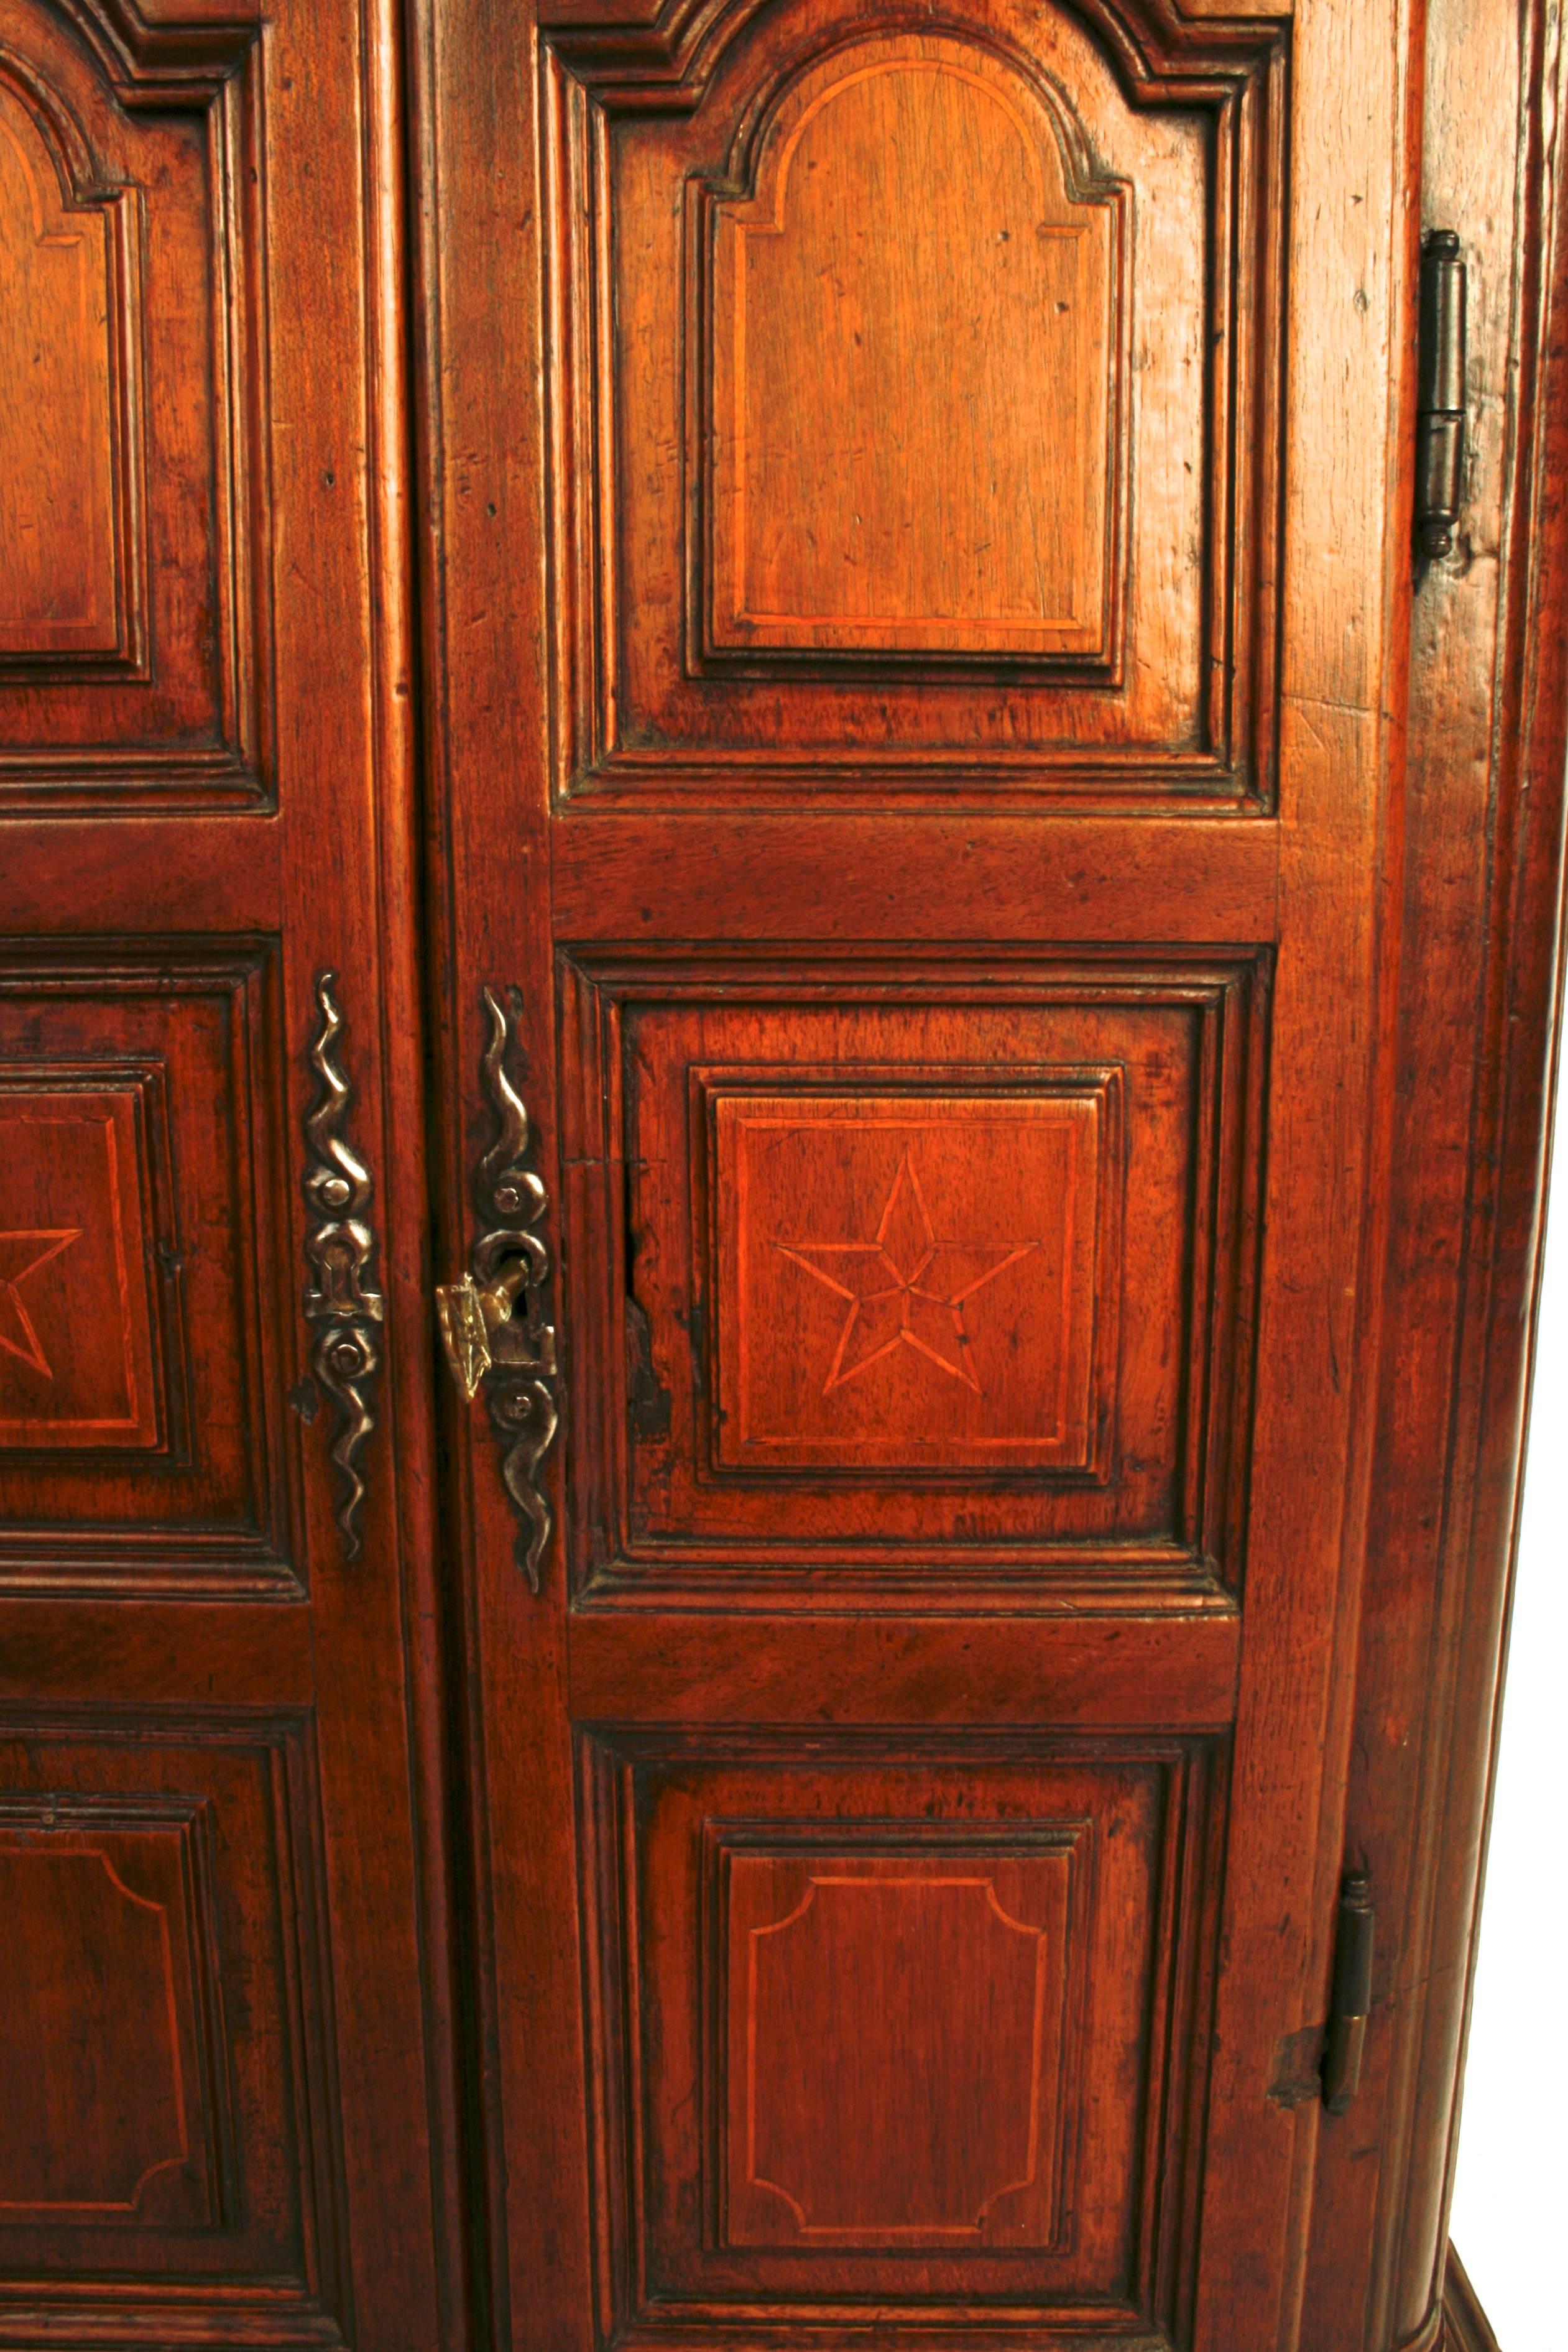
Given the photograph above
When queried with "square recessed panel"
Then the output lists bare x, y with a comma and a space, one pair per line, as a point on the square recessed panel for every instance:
825, 537
141, 1350
908, 1279
875, 1272
910, 2020
78, 1313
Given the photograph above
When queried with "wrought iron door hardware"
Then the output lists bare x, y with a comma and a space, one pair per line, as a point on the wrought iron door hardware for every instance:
1352, 2004
1441, 399
494, 1321
340, 1245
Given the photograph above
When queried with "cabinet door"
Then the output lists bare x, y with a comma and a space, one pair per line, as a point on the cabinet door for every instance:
221, 2014
918, 589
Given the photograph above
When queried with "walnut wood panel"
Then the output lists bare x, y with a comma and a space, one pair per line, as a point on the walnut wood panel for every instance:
80, 1362
135, 630
907, 2021
167, 2052
899, 1265
890, 2035
205, 802
842, 1663
142, 1306
53, 1652
790, 260
1004, 881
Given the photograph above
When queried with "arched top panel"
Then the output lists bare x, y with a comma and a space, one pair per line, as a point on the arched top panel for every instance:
66, 252
922, 210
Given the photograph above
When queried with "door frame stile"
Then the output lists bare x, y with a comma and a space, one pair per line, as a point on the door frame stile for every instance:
406, 1270
1343, 716
481, 471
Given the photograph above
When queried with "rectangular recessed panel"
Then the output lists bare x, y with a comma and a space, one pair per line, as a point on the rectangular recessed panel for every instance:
844, 290
113, 2114
78, 1309
907, 1280
893, 2017
901, 2020
957, 344
142, 1352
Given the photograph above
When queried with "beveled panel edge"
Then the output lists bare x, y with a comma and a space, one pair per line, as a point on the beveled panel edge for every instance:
659, 54
1184, 1913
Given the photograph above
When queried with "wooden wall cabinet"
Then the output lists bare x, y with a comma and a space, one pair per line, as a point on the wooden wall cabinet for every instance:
828, 741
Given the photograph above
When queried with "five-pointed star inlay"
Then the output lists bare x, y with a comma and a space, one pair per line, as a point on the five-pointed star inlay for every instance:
905, 1289
21, 1255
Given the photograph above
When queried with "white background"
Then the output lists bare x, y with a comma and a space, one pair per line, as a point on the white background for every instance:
1511, 2193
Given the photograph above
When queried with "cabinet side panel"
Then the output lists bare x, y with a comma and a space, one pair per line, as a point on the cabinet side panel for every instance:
1479, 1009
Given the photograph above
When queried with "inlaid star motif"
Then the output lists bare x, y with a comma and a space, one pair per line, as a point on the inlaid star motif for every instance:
21, 1256
905, 1289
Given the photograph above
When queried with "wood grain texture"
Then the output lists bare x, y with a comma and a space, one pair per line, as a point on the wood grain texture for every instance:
1039, 1094
1057, 577
139, 656
838, 292
915, 2062
786, 880
196, 822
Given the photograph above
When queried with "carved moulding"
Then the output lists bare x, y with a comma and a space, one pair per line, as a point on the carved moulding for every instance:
666, 61
494, 1323
340, 1247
